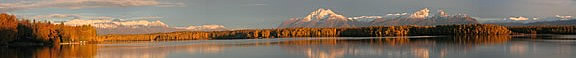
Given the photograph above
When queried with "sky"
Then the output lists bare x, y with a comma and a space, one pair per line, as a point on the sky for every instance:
270, 13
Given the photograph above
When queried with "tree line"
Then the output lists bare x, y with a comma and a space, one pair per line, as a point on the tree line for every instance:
544, 29
373, 31
35, 32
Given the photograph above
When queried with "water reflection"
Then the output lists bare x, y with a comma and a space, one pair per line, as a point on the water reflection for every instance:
396, 47
153, 52
64, 51
501, 46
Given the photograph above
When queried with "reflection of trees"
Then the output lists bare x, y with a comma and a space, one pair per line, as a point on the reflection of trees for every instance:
399, 40
329, 41
337, 48
391, 46
481, 40
322, 48
78, 51
95, 51
330, 47
155, 51
421, 52
64, 51
518, 48
331, 53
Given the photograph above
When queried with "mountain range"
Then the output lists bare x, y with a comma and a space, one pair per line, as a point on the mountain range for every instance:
326, 18
117, 26
321, 18
524, 21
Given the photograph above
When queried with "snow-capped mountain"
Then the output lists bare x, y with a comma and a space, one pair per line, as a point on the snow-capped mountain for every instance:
365, 18
441, 13
204, 28
117, 26
522, 19
327, 18
425, 17
421, 14
103, 23
319, 18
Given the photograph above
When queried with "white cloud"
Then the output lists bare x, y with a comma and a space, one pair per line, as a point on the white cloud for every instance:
65, 16
77, 16
79, 4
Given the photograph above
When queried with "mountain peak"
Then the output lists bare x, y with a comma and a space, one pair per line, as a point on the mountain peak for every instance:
442, 13
322, 13
319, 18
421, 13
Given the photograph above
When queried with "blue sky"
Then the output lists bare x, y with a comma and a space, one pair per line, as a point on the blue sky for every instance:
269, 13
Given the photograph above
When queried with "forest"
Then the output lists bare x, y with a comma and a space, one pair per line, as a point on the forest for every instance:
557, 29
25, 32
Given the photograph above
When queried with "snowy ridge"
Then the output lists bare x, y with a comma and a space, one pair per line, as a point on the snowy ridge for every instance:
326, 18
319, 18
204, 28
103, 23
366, 17
321, 14
522, 19
421, 14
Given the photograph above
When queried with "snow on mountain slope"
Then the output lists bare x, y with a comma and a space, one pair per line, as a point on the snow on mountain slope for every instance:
526, 20
424, 17
117, 26
322, 14
205, 28
326, 18
319, 18
421, 14
103, 23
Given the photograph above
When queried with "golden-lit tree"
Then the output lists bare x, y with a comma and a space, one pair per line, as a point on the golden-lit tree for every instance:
41, 31
8, 27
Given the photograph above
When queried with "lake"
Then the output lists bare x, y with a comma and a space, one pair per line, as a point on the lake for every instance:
502, 46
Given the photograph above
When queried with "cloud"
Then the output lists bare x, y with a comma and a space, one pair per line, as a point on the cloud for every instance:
69, 16
80, 4
76, 16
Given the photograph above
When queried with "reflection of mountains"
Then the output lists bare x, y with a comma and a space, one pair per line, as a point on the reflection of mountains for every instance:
400, 47
322, 48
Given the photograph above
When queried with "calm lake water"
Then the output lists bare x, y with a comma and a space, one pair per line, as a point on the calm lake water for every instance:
529, 46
